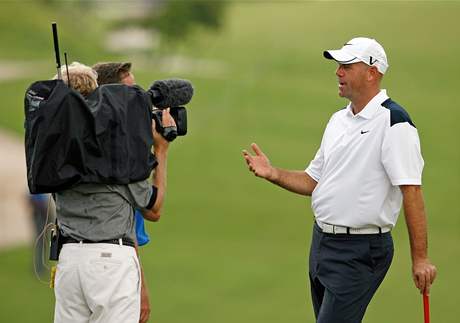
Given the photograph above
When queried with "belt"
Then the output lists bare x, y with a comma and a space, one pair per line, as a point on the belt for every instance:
121, 241
338, 229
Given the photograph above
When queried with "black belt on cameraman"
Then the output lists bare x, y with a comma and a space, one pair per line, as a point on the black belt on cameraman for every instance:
124, 241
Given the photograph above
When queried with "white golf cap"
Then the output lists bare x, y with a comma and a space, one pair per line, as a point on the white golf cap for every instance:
360, 49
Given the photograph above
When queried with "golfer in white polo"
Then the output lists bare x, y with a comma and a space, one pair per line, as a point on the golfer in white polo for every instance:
368, 164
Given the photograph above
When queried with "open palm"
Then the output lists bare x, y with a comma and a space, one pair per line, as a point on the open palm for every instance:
259, 164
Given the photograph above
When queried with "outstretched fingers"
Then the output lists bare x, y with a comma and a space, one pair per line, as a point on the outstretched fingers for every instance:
257, 163
257, 150
247, 156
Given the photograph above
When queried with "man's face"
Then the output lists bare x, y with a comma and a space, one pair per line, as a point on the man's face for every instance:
127, 78
352, 79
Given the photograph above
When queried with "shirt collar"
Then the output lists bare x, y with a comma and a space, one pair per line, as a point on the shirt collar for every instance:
371, 107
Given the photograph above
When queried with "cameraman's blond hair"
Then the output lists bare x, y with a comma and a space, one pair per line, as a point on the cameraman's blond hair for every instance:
82, 78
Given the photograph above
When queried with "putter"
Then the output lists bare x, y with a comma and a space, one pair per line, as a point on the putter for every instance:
426, 308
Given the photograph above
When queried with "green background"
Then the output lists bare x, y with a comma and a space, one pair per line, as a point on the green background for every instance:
230, 247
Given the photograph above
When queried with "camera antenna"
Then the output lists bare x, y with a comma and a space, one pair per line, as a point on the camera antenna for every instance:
67, 68
56, 50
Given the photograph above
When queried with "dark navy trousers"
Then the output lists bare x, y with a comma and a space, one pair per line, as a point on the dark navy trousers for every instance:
345, 271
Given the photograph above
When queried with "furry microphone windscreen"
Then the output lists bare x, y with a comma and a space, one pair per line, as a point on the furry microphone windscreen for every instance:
171, 93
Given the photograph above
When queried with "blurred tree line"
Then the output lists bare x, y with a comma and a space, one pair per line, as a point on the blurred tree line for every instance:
173, 19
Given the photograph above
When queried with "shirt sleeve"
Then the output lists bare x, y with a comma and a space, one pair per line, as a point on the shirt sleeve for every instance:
315, 167
142, 194
401, 155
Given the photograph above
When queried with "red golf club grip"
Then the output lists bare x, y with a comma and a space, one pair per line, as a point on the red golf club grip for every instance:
426, 308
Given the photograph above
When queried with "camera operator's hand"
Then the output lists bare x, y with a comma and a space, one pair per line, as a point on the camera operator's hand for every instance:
160, 143
160, 147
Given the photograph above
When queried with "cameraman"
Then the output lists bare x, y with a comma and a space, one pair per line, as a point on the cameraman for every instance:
98, 276
109, 73
117, 72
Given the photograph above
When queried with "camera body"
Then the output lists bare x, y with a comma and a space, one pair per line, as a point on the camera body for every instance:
179, 114
171, 93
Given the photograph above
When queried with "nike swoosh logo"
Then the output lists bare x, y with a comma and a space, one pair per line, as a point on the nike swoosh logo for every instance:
363, 132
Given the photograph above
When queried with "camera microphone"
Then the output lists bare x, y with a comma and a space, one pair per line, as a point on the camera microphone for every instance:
170, 93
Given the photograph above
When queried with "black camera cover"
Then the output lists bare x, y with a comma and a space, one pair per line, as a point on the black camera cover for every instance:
105, 138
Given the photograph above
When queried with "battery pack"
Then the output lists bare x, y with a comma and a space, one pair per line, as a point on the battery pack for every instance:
55, 244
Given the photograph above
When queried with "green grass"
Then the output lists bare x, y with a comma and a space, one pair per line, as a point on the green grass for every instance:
24, 298
232, 248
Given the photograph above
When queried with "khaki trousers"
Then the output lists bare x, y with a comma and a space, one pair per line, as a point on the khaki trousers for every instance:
97, 283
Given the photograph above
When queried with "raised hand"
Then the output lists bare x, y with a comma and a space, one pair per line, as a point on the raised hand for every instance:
259, 164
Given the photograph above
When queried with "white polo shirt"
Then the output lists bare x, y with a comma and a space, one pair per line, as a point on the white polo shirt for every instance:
361, 162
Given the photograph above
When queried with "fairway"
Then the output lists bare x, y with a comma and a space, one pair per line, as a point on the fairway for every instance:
230, 247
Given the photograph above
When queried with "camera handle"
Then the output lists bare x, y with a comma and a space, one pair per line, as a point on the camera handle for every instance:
169, 133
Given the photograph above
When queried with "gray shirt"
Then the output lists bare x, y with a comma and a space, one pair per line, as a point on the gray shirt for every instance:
101, 212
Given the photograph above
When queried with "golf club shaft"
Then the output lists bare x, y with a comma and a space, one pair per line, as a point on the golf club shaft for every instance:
426, 308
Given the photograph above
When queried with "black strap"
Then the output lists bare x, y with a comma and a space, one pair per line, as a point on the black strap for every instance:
153, 197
